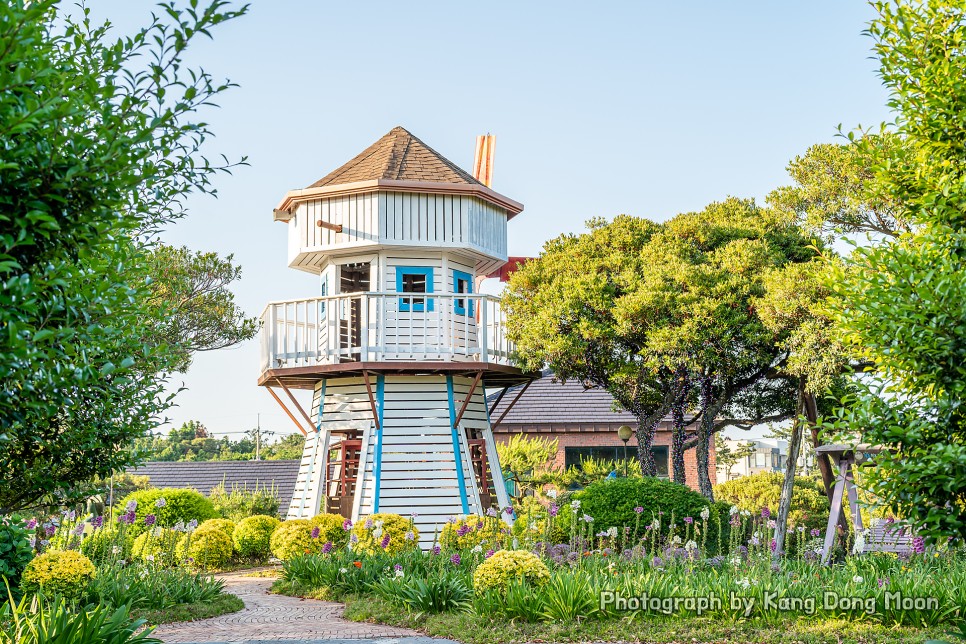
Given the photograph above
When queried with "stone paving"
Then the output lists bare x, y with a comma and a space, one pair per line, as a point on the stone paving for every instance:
269, 618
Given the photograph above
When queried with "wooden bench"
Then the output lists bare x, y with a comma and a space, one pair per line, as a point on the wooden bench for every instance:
888, 536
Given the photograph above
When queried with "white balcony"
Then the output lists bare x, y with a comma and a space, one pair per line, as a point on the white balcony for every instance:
383, 327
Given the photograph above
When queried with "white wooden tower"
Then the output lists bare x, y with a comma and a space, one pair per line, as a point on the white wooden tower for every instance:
398, 345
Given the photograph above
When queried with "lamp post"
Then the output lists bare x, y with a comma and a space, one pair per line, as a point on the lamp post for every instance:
624, 433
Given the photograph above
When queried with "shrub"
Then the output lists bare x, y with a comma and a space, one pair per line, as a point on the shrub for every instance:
330, 529
294, 537
224, 525
372, 534
508, 565
179, 506
64, 573
252, 537
532, 519
107, 544
809, 504
612, 503
104, 545
241, 503
466, 532
209, 549
158, 546
439, 592
15, 550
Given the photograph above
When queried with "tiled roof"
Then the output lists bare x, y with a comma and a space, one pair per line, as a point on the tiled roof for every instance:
204, 475
398, 156
548, 402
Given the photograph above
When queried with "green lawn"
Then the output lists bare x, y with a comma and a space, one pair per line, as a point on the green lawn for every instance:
224, 604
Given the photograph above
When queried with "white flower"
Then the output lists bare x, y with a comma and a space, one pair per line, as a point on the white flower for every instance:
746, 513
612, 531
676, 540
575, 504
400, 573
655, 524
744, 583
477, 548
588, 518
691, 545
377, 533
859, 546
379, 524
734, 510
735, 561
343, 570
705, 514
115, 550
552, 494
857, 579
772, 525
150, 558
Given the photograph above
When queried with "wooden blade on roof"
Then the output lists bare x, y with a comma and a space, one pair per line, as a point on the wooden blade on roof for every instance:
483, 159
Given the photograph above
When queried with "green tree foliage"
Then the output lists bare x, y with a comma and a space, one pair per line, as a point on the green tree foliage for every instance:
903, 303
809, 506
193, 442
526, 459
197, 311
101, 144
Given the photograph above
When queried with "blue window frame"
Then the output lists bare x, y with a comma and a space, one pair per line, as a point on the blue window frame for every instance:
414, 279
462, 283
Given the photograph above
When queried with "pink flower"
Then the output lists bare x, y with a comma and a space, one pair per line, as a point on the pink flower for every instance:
639, 509
689, 520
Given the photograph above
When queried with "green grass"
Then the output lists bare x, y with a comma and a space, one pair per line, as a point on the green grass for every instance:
470, 629
225, 603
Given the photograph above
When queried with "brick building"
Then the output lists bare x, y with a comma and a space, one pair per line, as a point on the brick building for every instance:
583, 421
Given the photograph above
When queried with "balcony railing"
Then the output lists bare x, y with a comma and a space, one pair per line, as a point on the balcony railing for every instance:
374, 327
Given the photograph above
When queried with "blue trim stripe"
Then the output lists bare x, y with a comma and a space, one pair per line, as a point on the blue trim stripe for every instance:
456, 445
377, 460
467, 303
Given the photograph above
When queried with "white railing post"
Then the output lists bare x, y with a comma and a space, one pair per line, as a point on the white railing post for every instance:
364, 327
484, 353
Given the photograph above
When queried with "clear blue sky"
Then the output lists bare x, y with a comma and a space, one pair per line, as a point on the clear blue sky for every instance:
643, 108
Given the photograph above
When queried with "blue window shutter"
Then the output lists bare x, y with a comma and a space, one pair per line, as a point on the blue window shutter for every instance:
405, 303
467, 304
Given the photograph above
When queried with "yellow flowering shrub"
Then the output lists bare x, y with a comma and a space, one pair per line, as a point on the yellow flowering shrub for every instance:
470, 531
293, 538
330, 528
506, 565
370, 535
209, 549
64, 573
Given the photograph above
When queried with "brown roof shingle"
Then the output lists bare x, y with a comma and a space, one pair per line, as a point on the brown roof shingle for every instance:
204, 475
398, 156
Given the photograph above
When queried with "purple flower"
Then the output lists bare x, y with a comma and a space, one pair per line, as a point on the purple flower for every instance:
130, 517
97, 522
554, 509
397, 567
192, 525
774, 545
71, 515
491, 512
462, 531
882, 581
765, 512
347, 525
161, 502
919, 545
489, 553
509, 511
31, 524
353, 538
436, 550
735, 520
327, 547
410, 536
368, 524
656, 562
315, 532
688, 520
385, 541
815, 532
638, 509
479, 525
51, 529
132, 505
79, 530
149, 520
455, 559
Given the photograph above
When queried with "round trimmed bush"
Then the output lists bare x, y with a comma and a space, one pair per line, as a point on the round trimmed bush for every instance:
810, 506
66, 573
224, 525
507, 565
330, 528
107, 544
158, 546
178, 506
252, 537
209, 549
613, 503
293, 538
383, 532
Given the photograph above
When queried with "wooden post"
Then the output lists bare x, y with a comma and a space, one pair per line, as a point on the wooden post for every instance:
835, 509
469, 396
287, 412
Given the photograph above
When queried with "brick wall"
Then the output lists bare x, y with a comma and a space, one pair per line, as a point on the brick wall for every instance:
602, 434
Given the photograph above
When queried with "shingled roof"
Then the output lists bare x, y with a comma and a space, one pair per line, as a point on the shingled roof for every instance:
398, 156
204, 475
548, 402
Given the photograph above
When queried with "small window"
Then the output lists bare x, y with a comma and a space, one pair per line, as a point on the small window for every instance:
414, 280
462, 283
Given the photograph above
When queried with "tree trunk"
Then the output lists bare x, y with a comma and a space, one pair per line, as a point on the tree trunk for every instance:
679, 475
788, 485
645, 439
705, 431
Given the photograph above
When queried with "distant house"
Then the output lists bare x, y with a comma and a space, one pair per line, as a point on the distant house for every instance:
205, 475
583, 422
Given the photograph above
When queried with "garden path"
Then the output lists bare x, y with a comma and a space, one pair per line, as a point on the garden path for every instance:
276, 618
